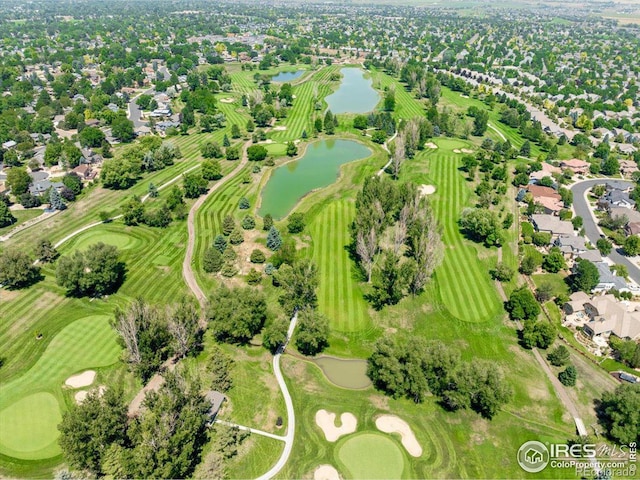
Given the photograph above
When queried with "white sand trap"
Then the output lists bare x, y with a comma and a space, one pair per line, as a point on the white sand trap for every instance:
326, 472
327, 422
431, 145
80, 380
427, 189
227, 100
81, 395
457, 150
279, 128
267, 141
466, 150
393, 424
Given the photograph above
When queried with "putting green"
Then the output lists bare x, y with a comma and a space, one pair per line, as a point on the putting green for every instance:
371, 455
29, 427
119, 239
28, 416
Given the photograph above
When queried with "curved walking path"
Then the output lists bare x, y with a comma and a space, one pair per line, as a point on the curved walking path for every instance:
187, 270
385, 145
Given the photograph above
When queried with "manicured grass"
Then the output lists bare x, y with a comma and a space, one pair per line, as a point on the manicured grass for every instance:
30, 404
95, 235
21, 217
557, 282
466, 288
371, 455
339, 294
257, 455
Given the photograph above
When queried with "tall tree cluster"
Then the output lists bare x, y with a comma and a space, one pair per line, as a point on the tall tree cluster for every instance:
397, 216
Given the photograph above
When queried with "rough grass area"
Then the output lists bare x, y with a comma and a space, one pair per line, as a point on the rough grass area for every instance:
21, 217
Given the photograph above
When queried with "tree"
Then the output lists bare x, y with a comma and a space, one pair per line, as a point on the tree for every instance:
313, 332
175, 198
256, 153
554, 261
525, 149
480, 122
360, 122
45, 251
96, 271
275, 334
6, 217
610, 166
220, 366
298, 282
55, 200
538, 334
235, 131
228, 225
133, 211
627, 351
522, 305
388, 283
232, 153
296, 223
17, 269
632, 245
366, 247
274, 240
122, 129
120, 173
389, 100
619, 413
89, 429
257, 256
236, 237
73, 182
604, 246
292, 149
211, 170
18, 180
481, 225
212, 261
236, 315
244, 204
559, 356
585, 276
183, 326
211, 150
153, 191
267, 222
568, 376
254, 277
225, 141
194, 184
502, 272
91, 137
220, 242
544, 292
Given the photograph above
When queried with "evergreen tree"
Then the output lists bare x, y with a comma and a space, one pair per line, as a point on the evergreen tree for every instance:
45, 251
568, 376
248, 223
236, 237
212, 260
153, 191
267, 222
220, 243
228, 224
55, 200
235, 131
6, 217
274, 240
225, 141
244, 204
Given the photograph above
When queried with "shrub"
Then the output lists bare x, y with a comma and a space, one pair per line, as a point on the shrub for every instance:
236, 237
502, 272
257, 256
229, 270
212, 260
254, 277
248, 223
559, 356
244, 204
568, 376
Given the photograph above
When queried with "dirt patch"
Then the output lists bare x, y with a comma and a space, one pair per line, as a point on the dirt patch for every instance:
379, 401
244, 251
8, 295
326, 472
393, 424
80, 380
327, 423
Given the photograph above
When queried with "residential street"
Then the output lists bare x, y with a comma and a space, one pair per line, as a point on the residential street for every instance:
134, 109
591, 231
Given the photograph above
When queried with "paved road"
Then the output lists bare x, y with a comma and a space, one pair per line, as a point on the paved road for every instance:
291, 415
591, 230
134, 109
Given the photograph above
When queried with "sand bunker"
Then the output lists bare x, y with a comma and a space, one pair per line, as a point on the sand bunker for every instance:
326, 472
279, 128
81, 395
80, 380
457, 150
327, 422
227, 100
393, 424
430, 145
427, 189
466, 150
267, 141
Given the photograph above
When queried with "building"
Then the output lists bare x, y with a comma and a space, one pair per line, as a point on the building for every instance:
546, 197
552, 225
216, 399
547, 171
571, 244
628, 167
578, 167
607, 317
608, 279
616, 198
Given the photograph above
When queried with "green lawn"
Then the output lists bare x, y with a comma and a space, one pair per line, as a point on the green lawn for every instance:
31, 404
371, 455
21, 217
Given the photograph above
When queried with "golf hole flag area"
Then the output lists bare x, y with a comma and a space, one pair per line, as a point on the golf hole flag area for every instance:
31, 405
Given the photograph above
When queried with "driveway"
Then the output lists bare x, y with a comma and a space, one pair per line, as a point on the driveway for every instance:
134, 109
591, 230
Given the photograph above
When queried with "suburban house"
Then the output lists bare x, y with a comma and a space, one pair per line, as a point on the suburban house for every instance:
571, 244
608, 316
616, 198
576, 302
608, 279
40, 187
628, 167
591, 255
547, 171
579, 167
551, 224
85, 172
9, 144
547, 197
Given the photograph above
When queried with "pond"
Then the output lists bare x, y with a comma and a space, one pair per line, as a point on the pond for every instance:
318, 167
355, 94
345, 373
287, 76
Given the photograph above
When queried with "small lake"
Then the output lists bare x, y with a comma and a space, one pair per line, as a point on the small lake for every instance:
287, 76
318, 167
355, 94
344, 373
